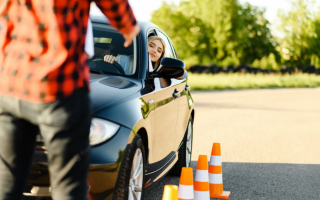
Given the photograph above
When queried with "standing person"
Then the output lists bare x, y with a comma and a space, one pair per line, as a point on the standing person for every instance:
44, 84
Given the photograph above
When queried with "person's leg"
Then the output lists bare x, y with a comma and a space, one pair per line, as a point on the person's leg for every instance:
17, 140
65, 126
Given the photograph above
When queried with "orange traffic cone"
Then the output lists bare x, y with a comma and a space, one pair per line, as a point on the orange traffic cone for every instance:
215, 174
170, 192
201, 182
186, 184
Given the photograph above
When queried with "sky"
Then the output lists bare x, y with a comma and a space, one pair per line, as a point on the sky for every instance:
143, 8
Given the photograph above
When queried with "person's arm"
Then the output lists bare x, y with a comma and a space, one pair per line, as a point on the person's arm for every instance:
121, 17
124, 61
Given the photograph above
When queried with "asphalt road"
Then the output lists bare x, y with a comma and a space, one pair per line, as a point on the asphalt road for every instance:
270, 142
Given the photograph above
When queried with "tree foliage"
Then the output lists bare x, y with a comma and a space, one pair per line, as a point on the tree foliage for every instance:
189, 35
300, 33
228, 33
257, 40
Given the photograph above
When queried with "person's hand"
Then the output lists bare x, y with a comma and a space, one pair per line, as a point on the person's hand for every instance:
130, 36
110, 59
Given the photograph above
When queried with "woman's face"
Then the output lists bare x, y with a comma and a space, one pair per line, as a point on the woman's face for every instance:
155, 49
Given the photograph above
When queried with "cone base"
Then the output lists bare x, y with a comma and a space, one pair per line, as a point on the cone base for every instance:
224, 195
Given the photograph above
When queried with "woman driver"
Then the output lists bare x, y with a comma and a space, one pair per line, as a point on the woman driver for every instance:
156, 49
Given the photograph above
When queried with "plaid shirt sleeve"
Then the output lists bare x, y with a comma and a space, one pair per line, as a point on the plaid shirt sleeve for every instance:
42, 43
119, 13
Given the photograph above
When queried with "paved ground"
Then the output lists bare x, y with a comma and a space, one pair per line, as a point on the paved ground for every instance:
269, 141
257, 181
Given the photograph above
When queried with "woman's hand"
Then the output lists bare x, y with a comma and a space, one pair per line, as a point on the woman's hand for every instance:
110, 59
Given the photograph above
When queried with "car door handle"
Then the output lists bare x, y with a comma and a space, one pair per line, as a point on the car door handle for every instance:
187, 88
175, 94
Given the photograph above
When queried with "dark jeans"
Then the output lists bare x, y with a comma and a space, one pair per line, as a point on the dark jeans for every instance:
64, 125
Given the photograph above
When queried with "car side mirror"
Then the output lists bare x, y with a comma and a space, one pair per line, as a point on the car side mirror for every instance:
169, 68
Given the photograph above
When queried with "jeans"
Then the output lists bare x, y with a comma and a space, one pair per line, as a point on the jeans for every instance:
65, 127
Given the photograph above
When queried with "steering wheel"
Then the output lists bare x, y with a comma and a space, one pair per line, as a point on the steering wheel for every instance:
114, 64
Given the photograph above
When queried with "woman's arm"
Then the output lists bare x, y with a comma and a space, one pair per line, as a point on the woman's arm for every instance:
110, 59
123, 60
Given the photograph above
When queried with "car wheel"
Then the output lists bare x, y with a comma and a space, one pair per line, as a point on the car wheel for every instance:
130, 184
185, 151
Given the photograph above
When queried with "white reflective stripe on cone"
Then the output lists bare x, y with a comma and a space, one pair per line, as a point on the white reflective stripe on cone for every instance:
215, 178
215, 160
202, 176
201, 195
185, 192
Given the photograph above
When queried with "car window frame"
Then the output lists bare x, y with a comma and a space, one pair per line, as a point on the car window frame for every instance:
157, 84
173, 80
174, 49
168, 40
149, 31
171, 44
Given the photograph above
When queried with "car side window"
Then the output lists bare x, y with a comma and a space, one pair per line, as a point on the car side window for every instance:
162, 82
169, 52
165, 82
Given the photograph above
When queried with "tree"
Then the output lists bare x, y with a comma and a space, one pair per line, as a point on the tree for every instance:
300, 33
315, 61
315, 42
267, 63
189, 34
205, 29
257, 41
222, 16
216, 31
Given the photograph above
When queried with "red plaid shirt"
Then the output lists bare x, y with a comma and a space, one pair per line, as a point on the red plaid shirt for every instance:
42, 54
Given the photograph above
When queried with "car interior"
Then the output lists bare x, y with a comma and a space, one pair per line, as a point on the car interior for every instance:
111, 43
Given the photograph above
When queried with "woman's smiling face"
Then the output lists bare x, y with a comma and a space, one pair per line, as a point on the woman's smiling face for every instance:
155, 49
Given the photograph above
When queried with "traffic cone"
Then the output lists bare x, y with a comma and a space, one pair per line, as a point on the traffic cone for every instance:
215, 174
201, 182
170, 192
186, 184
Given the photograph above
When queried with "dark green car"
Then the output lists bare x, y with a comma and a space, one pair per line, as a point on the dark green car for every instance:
141, 130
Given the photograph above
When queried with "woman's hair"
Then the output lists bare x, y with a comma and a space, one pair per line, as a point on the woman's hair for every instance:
150, 39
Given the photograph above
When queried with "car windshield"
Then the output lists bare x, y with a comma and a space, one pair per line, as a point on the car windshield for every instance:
108, 41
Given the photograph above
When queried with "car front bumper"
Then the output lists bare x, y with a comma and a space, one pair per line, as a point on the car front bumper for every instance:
105, 161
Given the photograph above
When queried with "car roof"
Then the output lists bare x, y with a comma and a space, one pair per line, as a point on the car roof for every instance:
144, 25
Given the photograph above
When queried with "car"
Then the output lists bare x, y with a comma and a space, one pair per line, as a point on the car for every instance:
141, 130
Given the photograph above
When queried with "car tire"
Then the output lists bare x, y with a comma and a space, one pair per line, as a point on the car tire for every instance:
129, 166
182, 155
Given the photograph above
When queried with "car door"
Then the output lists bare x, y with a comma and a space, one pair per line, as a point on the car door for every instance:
166, 114
182, 88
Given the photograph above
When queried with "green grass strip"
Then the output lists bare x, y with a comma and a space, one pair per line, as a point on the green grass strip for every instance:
249, 81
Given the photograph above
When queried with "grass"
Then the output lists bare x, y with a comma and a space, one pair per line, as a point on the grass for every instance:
249, 81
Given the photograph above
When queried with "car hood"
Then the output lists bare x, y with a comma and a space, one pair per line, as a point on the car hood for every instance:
106, 90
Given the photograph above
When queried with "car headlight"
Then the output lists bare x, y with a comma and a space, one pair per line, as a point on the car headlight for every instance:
101, 130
